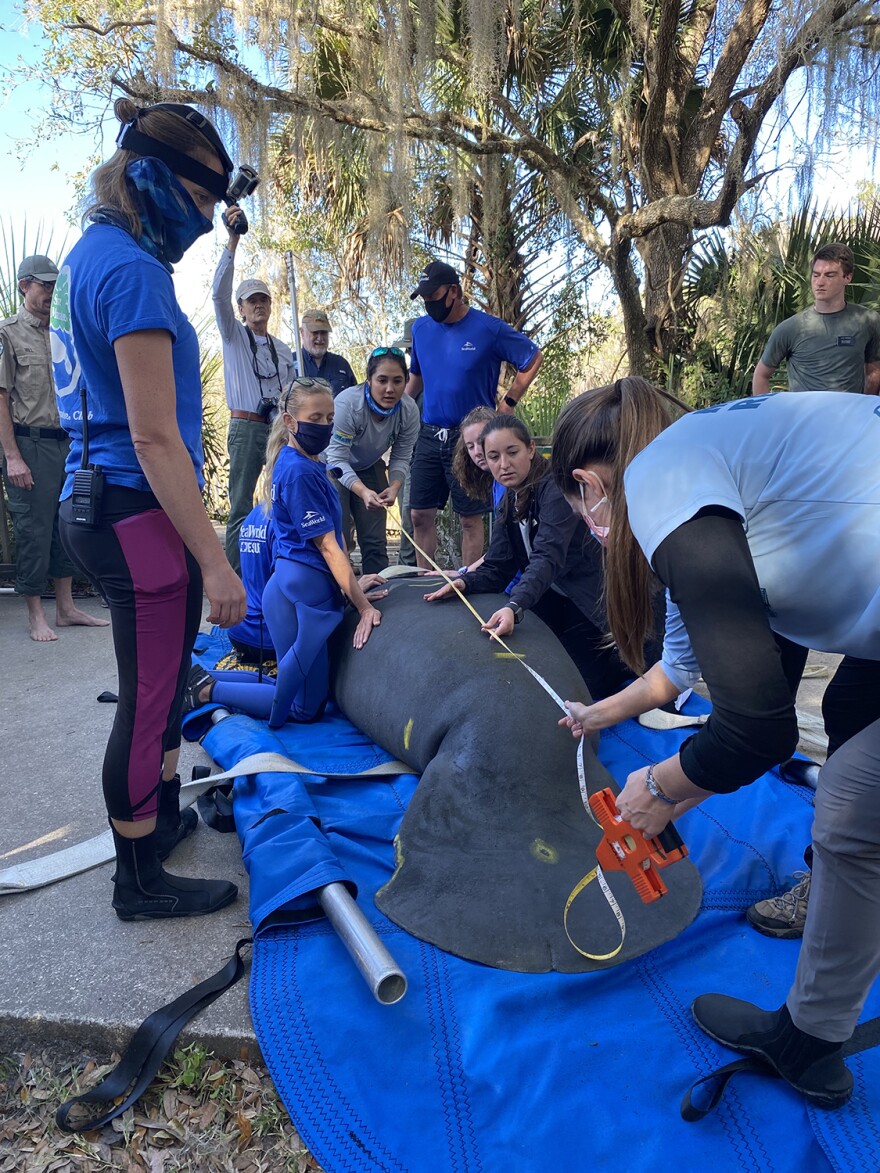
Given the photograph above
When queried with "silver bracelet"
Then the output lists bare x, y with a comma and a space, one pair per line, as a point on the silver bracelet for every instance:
654, 788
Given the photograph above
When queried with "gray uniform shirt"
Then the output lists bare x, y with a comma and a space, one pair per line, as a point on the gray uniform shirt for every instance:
826, 352
26, 371
243, 388
360, 436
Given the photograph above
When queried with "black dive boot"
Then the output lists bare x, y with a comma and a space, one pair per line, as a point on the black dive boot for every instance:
172, 824
143, 891
812, 1066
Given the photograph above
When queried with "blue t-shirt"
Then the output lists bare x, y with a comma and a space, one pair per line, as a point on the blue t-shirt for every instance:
304, 506
256, 547
109, 287
803, 472
460, 364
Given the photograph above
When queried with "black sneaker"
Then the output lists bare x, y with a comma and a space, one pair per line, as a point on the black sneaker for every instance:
812, 1066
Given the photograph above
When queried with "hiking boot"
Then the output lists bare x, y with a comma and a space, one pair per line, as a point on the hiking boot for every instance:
812, 1066
783, 916
142, 890
198, 678
173, 825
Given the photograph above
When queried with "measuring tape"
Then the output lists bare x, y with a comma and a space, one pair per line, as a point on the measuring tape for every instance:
596, 873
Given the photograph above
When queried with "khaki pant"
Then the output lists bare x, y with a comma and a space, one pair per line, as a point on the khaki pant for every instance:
39, 554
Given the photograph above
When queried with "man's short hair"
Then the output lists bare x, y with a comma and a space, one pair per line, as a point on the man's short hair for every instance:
836, 254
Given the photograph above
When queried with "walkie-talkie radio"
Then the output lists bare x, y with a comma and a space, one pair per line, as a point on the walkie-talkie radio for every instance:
88, 480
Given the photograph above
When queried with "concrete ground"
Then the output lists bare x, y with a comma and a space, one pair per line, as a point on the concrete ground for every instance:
71, 972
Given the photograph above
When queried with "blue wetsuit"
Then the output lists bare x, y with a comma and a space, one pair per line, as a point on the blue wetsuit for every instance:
302, 605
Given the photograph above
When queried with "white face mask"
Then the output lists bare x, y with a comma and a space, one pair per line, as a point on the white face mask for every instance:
599, 532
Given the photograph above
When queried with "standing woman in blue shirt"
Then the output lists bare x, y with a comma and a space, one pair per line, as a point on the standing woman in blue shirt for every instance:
126, 359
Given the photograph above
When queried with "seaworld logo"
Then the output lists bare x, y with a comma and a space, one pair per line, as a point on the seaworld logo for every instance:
311, 518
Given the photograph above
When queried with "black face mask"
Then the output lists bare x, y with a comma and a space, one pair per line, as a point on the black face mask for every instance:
312, 438
438, 310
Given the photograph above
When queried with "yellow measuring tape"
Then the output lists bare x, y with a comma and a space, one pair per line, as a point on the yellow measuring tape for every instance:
596, 873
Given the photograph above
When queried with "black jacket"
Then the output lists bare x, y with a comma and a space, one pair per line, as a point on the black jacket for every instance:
564, 554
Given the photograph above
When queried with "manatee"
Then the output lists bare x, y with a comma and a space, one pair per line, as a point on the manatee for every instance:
496, 837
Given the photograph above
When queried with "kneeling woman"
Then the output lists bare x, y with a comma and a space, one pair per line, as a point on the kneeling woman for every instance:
304, 599
536, 533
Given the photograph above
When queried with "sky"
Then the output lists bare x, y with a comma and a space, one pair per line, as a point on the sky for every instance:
40, 179
40, 186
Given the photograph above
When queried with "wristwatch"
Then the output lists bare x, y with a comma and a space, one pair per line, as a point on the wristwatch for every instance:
654, 788
517, 610
511, 402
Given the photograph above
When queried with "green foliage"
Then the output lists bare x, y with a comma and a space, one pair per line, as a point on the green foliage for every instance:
16, 245
215, 420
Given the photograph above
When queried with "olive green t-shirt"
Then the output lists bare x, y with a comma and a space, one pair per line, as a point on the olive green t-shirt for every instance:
826, 352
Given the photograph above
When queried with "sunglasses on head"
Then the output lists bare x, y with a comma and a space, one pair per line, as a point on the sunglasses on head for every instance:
305, 381
380, 350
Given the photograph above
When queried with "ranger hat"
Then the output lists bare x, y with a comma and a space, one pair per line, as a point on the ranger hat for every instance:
40, 267
405, 340
316, 320
250, 287
433, 276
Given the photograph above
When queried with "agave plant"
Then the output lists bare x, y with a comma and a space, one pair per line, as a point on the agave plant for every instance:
16, 246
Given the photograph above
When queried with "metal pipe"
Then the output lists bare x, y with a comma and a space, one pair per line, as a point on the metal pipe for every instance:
294, 311
379, 969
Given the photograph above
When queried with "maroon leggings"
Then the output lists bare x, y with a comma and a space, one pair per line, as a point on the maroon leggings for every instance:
153, 586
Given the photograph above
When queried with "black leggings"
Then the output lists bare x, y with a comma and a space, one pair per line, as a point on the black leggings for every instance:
598, 663
153, 587
751, 673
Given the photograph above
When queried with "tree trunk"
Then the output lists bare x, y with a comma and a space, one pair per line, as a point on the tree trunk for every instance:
626, 285
663, 254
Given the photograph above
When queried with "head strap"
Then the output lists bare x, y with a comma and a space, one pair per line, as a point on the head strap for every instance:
131, 139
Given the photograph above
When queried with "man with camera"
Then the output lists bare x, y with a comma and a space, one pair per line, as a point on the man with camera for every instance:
256, 369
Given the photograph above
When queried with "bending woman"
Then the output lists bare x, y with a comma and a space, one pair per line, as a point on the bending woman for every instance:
536, 533
371, 418
127, 360
747, 511
304, 599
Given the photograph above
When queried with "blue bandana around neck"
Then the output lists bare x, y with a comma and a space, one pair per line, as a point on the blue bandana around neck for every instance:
374, 406
170, 220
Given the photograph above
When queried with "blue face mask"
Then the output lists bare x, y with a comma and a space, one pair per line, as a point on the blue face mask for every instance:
312, 438
170, 220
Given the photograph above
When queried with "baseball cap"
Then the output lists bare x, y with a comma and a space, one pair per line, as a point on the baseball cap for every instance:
433, 276
316, 320
404, 342
250, 287
40, 267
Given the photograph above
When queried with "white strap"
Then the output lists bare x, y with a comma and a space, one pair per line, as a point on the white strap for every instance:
81, 857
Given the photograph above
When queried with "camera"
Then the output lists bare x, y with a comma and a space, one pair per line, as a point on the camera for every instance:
267, 408
244, 183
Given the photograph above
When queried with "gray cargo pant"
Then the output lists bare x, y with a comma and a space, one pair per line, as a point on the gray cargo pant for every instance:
840, 956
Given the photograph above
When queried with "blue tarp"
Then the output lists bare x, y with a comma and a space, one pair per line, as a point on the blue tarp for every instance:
481, 1071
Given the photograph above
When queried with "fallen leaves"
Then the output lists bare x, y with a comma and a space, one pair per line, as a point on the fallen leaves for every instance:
202, 1115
